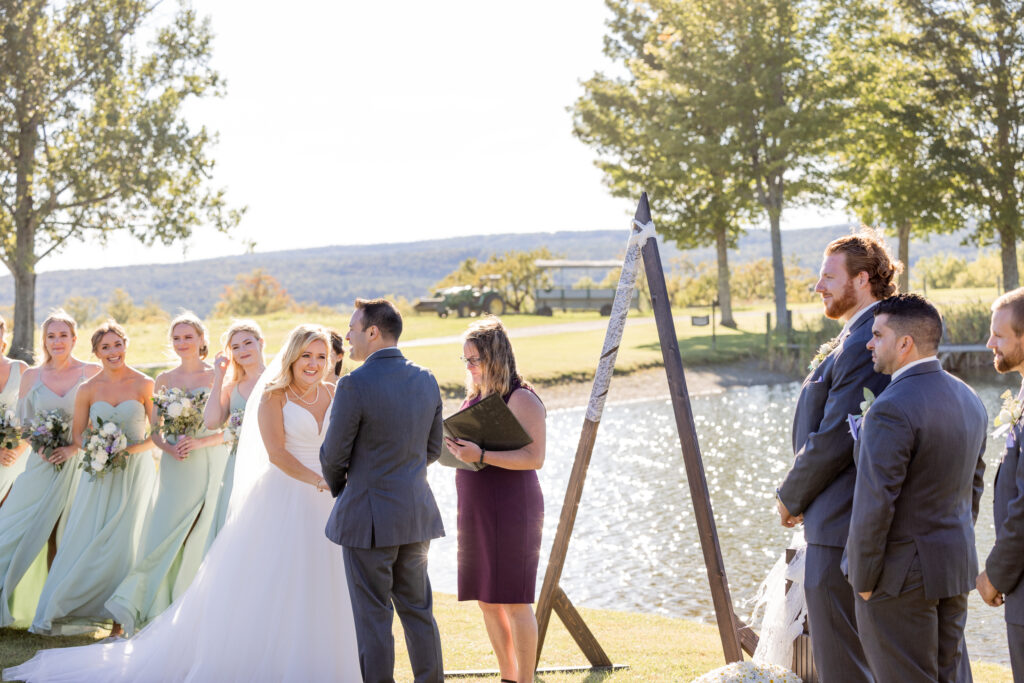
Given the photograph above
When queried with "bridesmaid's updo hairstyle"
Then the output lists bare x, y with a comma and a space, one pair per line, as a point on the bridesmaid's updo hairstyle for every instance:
108, 326
236, 371
496, 358
57, 315
191, 319
301, 337
338, 347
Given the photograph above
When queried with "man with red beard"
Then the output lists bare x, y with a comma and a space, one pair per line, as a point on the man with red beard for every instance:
857, 271
1000, 583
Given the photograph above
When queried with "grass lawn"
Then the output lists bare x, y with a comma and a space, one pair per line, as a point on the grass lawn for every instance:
655, 648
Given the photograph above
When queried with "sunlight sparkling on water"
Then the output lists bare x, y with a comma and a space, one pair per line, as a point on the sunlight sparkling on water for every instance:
635, 546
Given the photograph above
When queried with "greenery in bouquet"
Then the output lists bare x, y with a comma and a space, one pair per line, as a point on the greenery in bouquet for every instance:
105, 448
10, 428
182, 412
234, 428
48, 431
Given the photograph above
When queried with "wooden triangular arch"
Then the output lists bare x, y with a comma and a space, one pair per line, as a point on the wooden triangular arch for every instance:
735, 636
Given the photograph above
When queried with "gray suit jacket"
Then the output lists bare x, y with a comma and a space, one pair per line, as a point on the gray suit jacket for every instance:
1005, 564
385, 429
920, 461
820, 484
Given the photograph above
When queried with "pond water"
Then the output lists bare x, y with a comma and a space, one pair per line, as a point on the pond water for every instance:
635, 545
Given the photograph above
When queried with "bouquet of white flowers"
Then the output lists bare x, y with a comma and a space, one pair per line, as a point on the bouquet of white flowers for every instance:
234, 428
48, 431
10, 428
105, 448
182, 412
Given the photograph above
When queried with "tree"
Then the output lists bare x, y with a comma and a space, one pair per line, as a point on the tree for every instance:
254, 294
81, 308
121, 307
727, 105
92, 136
657, 129
885, 171
973, 53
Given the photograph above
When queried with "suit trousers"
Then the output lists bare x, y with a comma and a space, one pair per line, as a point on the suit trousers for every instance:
1015, 639
838, 655
910, 638
377, 579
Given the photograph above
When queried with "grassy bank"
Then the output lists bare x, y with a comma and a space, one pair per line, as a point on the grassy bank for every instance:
657, 649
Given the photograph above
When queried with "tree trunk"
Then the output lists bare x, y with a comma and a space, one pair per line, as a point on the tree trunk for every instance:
724, 295
1008, 252
904, 247
24, 315
778, 267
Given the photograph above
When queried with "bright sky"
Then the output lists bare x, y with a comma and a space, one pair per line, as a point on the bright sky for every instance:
362, 122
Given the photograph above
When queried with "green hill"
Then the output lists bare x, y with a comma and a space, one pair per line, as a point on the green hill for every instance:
334, 276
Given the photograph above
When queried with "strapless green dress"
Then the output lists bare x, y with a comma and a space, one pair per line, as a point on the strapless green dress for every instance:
224, 484
36, 506
175, 535
9, 399
101, 539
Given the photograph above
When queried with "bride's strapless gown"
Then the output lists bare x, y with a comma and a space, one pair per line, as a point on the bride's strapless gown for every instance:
269, 603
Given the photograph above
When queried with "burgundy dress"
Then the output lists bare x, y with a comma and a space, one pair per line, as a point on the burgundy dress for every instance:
501, 516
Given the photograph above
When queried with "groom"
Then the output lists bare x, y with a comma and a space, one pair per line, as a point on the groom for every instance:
385, 429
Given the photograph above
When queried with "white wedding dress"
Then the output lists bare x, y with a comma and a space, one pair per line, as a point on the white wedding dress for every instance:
269, 603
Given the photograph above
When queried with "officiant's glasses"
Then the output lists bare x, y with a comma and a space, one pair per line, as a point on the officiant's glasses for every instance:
471, 362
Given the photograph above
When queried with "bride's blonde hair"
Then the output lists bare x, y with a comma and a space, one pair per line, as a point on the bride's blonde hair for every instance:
299, 338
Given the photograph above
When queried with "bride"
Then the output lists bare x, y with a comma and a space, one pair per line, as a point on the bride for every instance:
270, 601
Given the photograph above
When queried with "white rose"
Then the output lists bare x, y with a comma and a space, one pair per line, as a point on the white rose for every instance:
122, 443
175, 409
186, 403
109, 428
96, 442
99, 459
9, 416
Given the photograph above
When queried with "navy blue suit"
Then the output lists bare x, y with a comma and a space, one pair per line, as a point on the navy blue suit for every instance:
820, 487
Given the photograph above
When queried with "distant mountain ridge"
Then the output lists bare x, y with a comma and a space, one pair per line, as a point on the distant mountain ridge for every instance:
335, 275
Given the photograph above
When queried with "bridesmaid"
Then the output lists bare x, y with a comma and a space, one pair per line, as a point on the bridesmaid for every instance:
105, 519
11, 461
34, 510
235, 373
177, 528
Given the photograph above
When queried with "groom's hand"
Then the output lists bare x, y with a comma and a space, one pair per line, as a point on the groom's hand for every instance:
787, 519
988, 592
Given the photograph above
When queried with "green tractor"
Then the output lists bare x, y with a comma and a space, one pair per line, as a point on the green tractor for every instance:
463, 301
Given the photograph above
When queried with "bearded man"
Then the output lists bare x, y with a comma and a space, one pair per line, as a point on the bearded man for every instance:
857, 271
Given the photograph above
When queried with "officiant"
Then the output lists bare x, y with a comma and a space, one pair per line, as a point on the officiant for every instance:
501, 507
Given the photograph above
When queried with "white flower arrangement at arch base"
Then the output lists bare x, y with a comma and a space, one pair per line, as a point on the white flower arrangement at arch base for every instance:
750, 672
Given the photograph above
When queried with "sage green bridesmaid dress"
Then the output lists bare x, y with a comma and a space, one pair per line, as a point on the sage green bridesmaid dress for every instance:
35, 507
224, 483
102, 535
9, 399
175, 535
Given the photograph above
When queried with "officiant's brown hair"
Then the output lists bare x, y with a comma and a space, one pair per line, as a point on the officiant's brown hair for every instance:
866, 251
497, 360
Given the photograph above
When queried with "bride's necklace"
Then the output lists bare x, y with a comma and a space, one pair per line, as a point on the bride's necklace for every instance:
308, 403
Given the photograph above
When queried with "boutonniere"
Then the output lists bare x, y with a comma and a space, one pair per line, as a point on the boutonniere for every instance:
823, 351
855, 420
1008, 415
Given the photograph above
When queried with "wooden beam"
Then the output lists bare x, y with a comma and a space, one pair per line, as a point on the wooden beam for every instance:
578, 630
703, 514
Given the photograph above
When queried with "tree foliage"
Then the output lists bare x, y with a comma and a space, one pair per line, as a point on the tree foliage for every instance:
92, 136
254, 294
973, 58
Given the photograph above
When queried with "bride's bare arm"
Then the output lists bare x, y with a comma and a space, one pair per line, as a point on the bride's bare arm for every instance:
272, 429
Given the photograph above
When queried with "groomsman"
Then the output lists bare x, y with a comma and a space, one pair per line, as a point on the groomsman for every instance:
856, 272
919, 453
1000, 583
